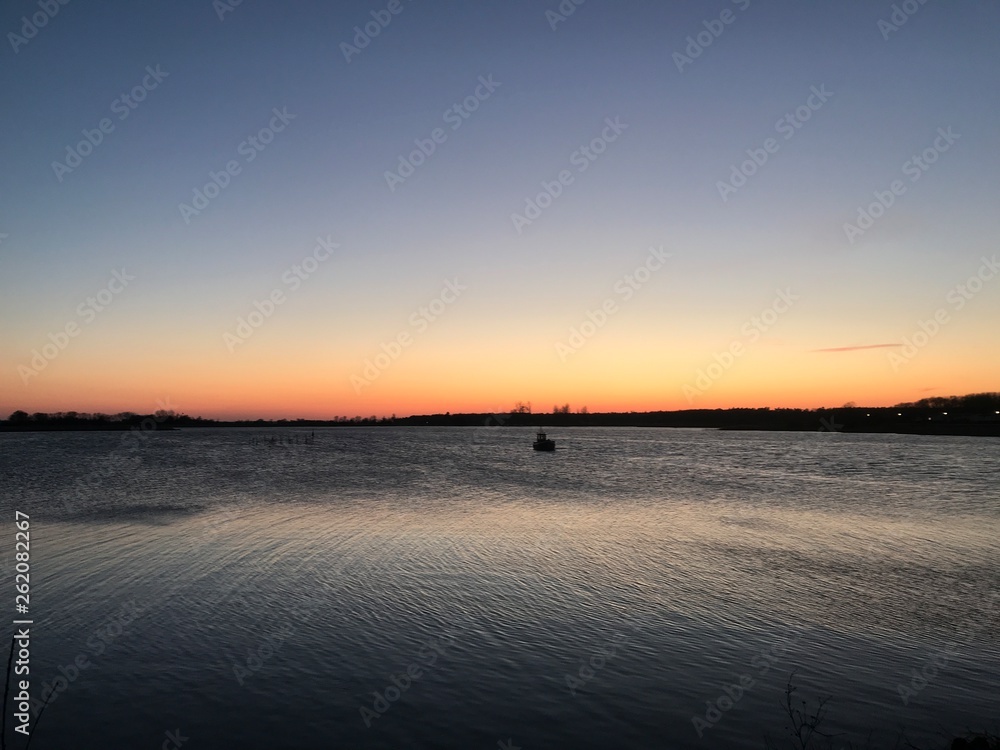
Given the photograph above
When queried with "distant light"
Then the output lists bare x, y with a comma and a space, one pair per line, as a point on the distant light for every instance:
868, 415
899, 413
946, 414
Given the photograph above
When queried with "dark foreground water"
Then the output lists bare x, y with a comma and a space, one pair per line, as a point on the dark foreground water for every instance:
450, 588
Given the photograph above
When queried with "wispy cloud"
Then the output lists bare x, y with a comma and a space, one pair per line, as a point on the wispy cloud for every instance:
856, 348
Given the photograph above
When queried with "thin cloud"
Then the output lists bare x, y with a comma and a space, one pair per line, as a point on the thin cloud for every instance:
857, 348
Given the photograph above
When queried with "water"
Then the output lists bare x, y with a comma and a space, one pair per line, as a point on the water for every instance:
258, 596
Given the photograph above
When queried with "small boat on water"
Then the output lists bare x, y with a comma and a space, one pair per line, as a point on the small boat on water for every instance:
542, 443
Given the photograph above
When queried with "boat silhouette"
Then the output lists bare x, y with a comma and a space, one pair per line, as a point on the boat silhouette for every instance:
542, 443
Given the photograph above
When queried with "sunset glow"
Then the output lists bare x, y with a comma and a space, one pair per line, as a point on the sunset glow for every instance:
537, 222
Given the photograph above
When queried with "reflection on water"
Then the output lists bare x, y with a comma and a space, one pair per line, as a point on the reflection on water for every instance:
439, 588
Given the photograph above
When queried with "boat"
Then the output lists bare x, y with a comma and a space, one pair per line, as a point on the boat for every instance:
542, 443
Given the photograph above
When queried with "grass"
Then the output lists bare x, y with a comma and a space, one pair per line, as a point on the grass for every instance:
804, 730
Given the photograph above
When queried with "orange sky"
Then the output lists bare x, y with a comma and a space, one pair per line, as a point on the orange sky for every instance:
446, 369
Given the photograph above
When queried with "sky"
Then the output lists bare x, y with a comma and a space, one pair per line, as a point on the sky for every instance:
309, 209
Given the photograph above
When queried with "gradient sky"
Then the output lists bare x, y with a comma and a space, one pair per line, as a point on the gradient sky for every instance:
162, 338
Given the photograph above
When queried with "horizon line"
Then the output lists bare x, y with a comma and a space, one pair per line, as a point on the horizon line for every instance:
513, 411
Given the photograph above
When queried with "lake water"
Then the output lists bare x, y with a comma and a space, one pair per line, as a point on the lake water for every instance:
602, 596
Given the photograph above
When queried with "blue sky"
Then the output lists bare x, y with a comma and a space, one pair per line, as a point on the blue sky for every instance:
656, 185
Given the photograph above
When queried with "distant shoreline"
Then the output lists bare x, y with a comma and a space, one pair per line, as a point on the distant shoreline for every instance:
981, 421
